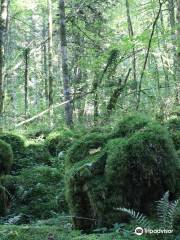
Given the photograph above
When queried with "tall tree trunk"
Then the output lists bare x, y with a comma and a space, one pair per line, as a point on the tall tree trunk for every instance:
172, 21
26, 70
50, 53
3, 24
44, 64
131, 35
65, 70
178, 53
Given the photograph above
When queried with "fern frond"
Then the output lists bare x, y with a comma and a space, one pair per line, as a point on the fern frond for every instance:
142, 220
166, 211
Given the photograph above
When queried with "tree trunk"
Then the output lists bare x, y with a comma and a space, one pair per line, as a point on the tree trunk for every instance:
26, 70
178, 54
44, 64
3, 24
65, 70
50, 53
131, 35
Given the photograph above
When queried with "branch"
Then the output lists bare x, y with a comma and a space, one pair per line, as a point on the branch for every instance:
147, 54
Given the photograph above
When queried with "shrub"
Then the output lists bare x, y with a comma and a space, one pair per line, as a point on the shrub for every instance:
6, 158
103, 172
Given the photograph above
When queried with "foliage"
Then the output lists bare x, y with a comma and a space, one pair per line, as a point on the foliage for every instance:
166, 215
39, 192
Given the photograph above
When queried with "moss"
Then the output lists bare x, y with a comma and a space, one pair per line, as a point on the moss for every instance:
141, 167
3, 201
6, 158
129, 125
37, 153
132, 170
173, 126
40, 192
57, 142
16, 142
82, 147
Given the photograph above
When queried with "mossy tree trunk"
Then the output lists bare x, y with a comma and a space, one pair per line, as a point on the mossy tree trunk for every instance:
3, 25
65, 70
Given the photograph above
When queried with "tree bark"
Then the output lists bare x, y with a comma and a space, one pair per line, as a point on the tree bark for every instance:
131, 35
65, 70
178, 54
26, 71
3, 25
50, 54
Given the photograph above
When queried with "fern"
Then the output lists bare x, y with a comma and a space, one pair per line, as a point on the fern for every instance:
166, 211
141, 219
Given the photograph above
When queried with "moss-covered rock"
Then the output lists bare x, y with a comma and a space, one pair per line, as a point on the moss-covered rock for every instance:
3, 201
6, 157
16, 142
129, 125
129, 169
58, 141
174, 129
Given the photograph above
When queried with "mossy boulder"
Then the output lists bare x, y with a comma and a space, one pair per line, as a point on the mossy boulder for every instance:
105, 171
174, 129
17, 142
58, 142
6, 157
3, 201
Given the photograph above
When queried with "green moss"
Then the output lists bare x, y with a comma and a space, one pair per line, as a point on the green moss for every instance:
173, 126
142, 167
37, 153
6, 158
129, 125
58, 142
82, 147
3, 201
132, 170
17, 142
40, 192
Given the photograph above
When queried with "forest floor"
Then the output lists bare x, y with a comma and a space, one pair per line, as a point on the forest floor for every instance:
30, 232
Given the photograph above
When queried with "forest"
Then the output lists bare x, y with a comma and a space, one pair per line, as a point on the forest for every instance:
90, 120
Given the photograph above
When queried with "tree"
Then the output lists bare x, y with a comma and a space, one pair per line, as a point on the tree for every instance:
3, 24
65, 70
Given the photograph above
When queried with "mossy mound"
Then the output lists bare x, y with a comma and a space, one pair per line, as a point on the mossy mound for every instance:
174, 129
16, 142
129, 125
3, 201
59, 141
6, 158
104, 172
